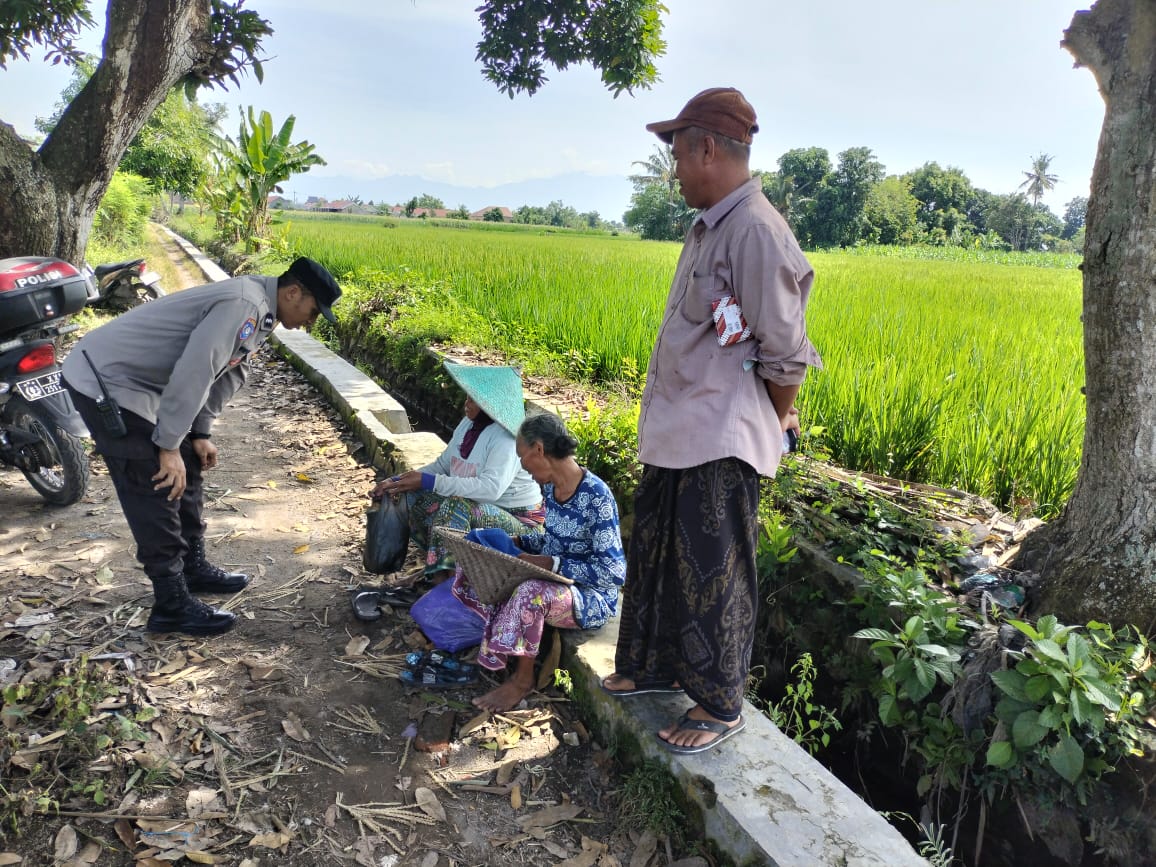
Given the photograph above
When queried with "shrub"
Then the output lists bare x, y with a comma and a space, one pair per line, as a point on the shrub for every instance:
124, 210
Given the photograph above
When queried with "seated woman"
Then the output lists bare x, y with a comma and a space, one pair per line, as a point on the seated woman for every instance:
582, 542
477, 481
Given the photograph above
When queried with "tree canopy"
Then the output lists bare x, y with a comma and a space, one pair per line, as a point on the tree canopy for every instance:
153, 45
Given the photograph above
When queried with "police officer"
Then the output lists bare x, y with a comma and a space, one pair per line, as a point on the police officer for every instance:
167, 369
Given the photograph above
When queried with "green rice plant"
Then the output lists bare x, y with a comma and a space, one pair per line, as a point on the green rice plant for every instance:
954, 367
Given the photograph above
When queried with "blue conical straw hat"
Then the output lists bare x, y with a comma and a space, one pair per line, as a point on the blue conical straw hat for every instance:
497, 390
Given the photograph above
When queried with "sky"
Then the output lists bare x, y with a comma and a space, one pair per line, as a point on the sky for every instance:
390, 93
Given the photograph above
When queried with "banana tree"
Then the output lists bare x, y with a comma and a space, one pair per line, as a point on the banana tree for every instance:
258, 162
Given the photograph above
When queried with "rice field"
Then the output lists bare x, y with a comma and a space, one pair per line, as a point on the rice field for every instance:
958, 370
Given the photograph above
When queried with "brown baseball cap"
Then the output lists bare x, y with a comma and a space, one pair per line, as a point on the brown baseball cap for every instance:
717, 109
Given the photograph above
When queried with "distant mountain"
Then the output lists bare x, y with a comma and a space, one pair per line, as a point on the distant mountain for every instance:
608, 195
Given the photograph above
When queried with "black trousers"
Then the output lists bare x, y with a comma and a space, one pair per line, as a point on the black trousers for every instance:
159, 526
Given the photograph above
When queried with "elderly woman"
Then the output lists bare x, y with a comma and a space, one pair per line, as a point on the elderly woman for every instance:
477, 481
582, 542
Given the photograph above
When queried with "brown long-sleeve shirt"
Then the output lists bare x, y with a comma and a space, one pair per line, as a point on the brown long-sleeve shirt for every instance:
703, 401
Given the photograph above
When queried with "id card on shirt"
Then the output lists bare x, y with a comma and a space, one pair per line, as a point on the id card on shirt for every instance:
729, 324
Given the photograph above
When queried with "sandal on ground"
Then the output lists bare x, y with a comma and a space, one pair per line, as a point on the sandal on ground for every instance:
436, 677
367, 600
399, 597
641, 689
438, 659
720, 730
365, 605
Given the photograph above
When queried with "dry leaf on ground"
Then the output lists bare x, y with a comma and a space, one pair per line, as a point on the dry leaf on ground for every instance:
295, 728
272, 840
644, 851
124, 831
357, 645
204, 804
65, 843
429, 803
90, 854
549, 816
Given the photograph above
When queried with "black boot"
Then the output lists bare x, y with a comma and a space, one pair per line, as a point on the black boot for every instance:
201, 576
174, 610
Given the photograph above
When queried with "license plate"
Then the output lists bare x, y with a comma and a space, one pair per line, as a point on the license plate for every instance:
41, 386
150, 277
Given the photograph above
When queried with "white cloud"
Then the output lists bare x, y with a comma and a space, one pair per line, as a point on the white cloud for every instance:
367, 168
440, 172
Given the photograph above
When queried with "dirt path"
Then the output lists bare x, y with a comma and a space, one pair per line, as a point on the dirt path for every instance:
258, 746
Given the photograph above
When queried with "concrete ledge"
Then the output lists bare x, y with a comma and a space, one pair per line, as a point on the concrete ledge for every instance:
353, 391
762, 798
212, 271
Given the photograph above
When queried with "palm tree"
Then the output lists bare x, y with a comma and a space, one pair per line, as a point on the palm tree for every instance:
1038, 181
780, 192
658, 168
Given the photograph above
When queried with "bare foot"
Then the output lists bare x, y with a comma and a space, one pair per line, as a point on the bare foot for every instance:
681, 737
505, 697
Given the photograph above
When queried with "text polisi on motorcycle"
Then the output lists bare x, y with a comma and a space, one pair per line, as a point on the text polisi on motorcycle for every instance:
40, 429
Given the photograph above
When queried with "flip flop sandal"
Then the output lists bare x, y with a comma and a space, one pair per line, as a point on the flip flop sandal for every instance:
721, 731
367, 600
438, 659
655, 689
434, 677
399, 597
365, 605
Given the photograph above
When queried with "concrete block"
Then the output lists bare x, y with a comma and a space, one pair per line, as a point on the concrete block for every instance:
212, 271
354, 392
762, 798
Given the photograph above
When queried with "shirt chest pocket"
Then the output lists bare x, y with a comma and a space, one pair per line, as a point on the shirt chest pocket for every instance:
702, 293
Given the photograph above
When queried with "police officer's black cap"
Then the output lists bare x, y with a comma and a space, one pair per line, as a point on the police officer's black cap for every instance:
320, 283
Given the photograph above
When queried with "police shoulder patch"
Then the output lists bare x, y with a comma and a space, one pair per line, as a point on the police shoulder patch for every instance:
247, 329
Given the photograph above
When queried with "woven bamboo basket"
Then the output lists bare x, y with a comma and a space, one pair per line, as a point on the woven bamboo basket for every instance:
492, 574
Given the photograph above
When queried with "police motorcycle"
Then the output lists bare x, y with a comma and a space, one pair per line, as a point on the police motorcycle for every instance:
119, 286
40, 429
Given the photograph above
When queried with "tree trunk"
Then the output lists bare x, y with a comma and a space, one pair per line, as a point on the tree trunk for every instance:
1098, 560
51, 195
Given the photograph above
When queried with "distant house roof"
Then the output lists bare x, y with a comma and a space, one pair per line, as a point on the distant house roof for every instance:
437, 213
507, 215
336, 207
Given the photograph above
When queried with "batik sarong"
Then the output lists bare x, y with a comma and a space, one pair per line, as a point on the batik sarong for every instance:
514, 627
428, 510
691, 594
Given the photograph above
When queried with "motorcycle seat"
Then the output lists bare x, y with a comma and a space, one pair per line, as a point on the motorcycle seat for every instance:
101, 270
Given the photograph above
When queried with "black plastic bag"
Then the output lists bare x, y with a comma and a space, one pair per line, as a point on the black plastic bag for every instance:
386, 536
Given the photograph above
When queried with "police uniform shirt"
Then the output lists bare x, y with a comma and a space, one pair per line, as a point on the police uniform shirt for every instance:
178, 360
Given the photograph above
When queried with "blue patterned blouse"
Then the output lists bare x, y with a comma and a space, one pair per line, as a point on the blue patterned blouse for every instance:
583, 532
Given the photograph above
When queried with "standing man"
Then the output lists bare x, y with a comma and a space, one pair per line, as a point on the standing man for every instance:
166, 370
731, 354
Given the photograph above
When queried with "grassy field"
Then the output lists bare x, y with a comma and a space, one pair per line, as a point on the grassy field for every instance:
961, 368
